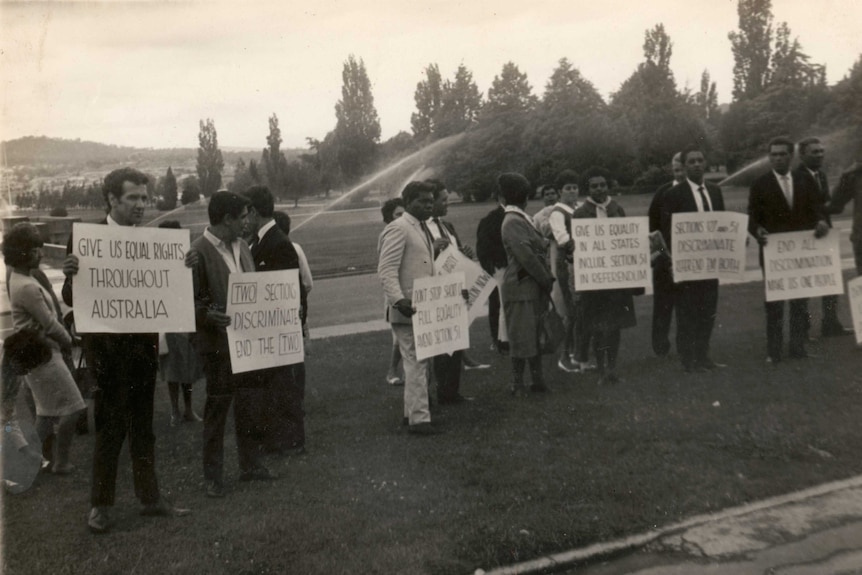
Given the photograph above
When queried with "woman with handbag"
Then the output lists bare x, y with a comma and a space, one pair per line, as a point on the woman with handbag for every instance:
605, 312
527, 283
54, 391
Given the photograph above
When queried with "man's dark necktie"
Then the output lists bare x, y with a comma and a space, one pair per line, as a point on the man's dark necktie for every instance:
428, 236
703, 199
254, 241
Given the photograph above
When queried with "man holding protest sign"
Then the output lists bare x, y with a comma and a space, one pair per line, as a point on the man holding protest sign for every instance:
405, 253
447, 368
125, 367
811, 154
284, 419
222, 252
778, 202
696, 301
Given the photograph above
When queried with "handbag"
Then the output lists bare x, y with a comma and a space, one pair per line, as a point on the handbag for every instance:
551, 330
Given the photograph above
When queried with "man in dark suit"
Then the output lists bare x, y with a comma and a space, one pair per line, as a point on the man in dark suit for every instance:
283, 409
125, 367
696, 301
811, 153
662, 274
492, 257
778, 202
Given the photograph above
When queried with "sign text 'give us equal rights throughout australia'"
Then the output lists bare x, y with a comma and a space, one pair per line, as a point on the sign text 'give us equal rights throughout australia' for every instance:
131, 280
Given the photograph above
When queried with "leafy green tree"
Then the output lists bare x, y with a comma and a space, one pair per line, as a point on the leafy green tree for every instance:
568, 92
460, 105
191, 191
357, 129
210, 161
706, 99
658, 48
751, 46
272, 160
791, 66
428, 95
242, 177
169, 190
510, 92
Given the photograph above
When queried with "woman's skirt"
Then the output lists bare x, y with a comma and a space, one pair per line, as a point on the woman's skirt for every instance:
54, 389
522, 326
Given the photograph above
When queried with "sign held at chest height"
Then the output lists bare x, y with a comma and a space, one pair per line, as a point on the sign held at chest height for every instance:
132, 280
441, 323
708, 245
611, 253
265, 328
798, 265
478, 283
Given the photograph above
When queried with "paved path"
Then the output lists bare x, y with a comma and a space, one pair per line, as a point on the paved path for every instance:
816, 531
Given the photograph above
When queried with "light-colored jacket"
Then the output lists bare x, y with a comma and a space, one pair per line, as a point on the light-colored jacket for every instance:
404, 255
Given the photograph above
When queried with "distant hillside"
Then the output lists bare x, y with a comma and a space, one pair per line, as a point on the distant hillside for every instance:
44, 151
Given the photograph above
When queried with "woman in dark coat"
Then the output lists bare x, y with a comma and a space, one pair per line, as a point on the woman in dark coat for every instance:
527, 283
605, 312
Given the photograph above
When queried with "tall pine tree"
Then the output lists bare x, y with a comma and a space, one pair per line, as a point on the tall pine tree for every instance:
210, 161
357, 128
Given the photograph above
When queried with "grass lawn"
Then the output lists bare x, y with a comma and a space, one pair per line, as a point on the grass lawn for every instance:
509, 480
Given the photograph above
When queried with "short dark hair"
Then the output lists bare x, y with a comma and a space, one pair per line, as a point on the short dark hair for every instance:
414, 189
438, 186
781, 141
282, 220
566, 177
514, 188
388, 209
223, 204
686, 151
113, 183
547, 188
261, 200
594, 172
803, 144
18, 242
171, 225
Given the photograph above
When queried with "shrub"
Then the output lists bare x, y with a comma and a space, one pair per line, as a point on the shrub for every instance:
59, 212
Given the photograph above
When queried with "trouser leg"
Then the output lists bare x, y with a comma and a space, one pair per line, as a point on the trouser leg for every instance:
774, 328
798, 324
112, 424
416, 406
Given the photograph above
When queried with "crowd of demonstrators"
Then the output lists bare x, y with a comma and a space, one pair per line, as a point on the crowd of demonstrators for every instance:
550, 196
125, 367
35, 309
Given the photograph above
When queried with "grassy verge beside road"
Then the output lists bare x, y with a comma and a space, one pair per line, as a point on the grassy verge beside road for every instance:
508, 481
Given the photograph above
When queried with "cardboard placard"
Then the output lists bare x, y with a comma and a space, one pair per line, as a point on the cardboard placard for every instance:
478, 282
854, 295
798, 265
440, 324
131, 280
611, 253
265, 329
708, 245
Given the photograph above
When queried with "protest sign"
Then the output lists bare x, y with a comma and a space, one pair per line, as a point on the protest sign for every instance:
131, 280
798, 265
265, 329
440, 324
611, 253
854, 293
708, 245
478, 283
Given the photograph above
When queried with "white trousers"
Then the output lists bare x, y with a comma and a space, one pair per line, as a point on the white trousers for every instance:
416, 408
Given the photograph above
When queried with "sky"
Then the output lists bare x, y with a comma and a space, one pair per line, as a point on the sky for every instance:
145, 73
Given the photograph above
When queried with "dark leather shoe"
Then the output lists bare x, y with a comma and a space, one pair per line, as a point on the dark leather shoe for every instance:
259, 473
163, 508
424, 428
215, 490
99, 521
